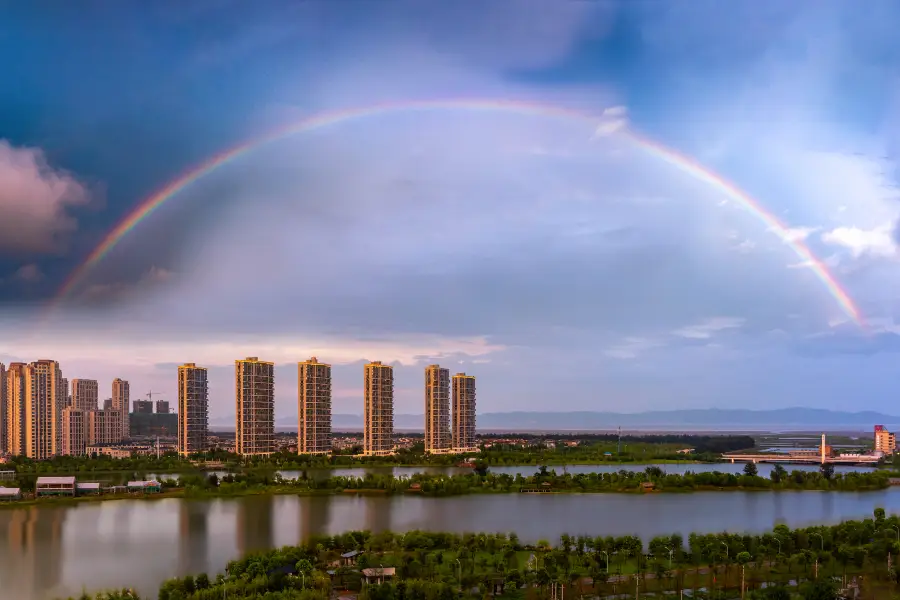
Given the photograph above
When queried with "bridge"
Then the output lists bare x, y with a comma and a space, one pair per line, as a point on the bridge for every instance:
846, 459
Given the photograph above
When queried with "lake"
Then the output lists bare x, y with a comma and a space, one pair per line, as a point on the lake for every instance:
53, 551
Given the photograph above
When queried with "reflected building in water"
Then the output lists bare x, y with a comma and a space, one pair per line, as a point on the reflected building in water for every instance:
193, 536
315, 514
32, 565
378, 513
254, 523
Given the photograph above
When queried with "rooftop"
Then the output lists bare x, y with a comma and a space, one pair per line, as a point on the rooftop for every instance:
88, 485
56, 481
379, 571
5, 491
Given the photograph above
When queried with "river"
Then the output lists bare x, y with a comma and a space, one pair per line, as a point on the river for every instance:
52, 551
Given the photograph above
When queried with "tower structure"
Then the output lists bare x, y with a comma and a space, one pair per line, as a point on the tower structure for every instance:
313, 407
85, 394
254, 427
121, 401
16, 422
437, 410
378, 409
3, 409
193, 409
74, 431
464, 413
44, 401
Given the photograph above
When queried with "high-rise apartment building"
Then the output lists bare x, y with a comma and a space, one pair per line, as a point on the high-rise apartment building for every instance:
44, 401
74, 434
16, 420
121, 397
85, 394
3, 409
313, 407
193, 409
378, 409
437, 409
464, 413
102, 427
254, 427
65, 385
162, 407
885, 441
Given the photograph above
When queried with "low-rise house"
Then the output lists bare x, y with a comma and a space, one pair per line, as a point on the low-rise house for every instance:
379, 574
348, 559
10, 493
87, 489
55, 486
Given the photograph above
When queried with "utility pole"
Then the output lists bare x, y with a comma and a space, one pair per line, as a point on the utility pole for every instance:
619, 441
637, 587
742, 582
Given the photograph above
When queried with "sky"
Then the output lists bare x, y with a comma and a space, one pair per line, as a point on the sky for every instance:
543, 251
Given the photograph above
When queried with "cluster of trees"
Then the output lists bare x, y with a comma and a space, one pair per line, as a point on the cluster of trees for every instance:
544, 479
611, 448
444, 566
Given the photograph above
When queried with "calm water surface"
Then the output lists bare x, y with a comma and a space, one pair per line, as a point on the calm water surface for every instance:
53, 551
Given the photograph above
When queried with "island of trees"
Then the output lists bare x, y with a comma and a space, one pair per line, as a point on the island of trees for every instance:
852, 559
481, 481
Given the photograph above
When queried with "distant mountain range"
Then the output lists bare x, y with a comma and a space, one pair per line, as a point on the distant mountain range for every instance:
713, 419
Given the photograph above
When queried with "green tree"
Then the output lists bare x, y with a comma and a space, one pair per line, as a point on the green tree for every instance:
820, 589
750, 469
779, 474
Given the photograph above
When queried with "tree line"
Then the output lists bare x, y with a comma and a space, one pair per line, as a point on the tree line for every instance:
543, 480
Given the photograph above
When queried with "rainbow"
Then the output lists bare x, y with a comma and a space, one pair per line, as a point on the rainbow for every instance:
684, 163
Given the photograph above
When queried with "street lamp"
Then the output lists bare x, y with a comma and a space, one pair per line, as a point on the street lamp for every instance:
822, 539
459, 572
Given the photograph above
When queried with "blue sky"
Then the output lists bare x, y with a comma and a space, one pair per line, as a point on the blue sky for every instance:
563, 268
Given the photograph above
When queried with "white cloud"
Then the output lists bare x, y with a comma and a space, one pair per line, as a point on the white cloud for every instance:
631, 347
612, 120
876, 242
799, 234
30, 273
35, 201
709, 327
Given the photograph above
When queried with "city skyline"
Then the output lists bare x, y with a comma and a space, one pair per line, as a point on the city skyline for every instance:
590, 191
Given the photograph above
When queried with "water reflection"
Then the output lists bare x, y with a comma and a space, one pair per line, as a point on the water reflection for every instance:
314, 516
378, 513
33, 558
192, 536
254, 524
